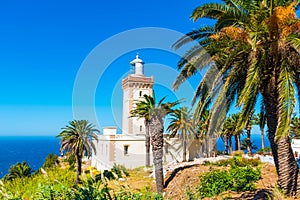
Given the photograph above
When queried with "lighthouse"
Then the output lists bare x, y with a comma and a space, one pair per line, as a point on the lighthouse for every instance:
134, 86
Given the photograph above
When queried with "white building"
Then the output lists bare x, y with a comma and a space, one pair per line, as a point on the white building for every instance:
296, 147
128, 148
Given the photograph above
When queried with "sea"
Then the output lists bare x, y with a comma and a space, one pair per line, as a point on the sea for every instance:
34, 149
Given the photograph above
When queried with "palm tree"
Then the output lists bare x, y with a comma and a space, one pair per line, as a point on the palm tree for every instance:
19, 170
77, 139
202, 125
181, 124
142, 110
260, 120
229, 129
295, 128
156, 112
251, 51
227, 138
246, 143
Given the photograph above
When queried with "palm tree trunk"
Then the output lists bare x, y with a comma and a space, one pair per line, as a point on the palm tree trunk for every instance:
226, 144
78, 171
236, 142
262, 131
286, 166
184, 150
147, 144
156, 131
248, 130
230, 145
239, 142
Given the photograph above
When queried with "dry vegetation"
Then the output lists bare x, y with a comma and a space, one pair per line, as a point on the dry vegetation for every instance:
185, 177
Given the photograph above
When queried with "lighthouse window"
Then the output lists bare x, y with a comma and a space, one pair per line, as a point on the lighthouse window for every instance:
141, 128
141, 93
126, 150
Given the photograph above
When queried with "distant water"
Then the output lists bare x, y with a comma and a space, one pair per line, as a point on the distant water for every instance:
32, 149
255, 138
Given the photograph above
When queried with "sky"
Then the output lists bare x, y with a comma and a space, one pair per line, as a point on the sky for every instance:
46, 45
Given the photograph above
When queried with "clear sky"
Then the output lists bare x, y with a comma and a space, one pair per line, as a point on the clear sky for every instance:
43, 44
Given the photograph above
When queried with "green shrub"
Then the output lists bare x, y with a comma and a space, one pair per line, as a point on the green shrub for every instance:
235, 161
51, 160
40, 184
53, 191
214, 182
119, 170
57, 183
243, 178
236, 179
92, 189
71, 161
265, 150
19, 170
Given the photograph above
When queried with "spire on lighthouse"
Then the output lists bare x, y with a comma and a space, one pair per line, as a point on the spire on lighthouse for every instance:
138, 66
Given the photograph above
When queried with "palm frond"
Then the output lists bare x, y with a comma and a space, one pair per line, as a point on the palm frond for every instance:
286, 101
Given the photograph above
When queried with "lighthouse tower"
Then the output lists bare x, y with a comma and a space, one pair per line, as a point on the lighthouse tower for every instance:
135, 86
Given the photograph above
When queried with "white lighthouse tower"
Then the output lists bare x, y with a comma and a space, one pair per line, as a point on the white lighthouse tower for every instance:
134, 87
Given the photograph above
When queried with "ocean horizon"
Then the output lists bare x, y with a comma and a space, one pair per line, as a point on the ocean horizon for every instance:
34, 149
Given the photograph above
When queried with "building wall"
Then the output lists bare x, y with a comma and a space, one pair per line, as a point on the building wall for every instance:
134, 88
138, 125
125, 117
135, 156
110, 150
102, 158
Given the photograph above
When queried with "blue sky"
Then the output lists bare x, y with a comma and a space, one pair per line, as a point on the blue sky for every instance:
44, 43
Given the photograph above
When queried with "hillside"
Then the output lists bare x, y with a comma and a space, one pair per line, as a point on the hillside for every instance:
178, 181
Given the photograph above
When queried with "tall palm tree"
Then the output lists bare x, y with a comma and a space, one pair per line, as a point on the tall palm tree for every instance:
142, 110
77, 139
156, 112
252, 50
19, 170
182, 125
202, 125
227, 138
229, 129
248, 127
260, 120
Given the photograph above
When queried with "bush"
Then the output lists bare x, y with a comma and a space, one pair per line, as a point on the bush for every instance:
39, 184
119, 170
266, 150
236, 179
108, 174
235, 161
214, 182
92, 189
71, 161
19, 170
51, 160
243, 178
